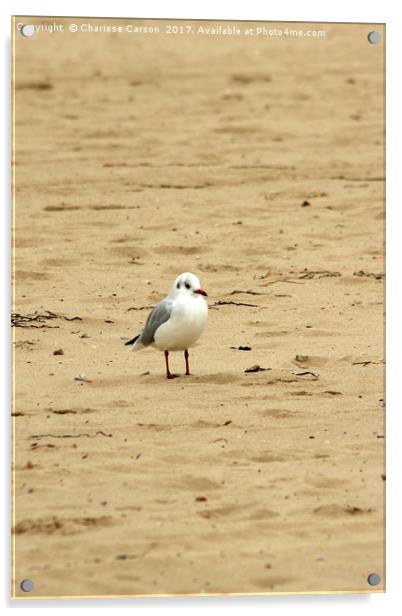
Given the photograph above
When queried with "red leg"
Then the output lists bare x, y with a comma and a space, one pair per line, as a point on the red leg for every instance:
187, 364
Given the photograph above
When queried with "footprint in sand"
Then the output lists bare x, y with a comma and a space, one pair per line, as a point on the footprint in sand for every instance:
337, 511
61, 526
180, 250
220, 512
270, 583
278, 413
197, 484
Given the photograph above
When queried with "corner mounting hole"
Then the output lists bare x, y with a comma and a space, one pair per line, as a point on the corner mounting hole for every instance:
27, 585
27, 30
374, 579
373, 37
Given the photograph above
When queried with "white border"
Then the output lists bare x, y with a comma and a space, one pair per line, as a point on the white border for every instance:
306, 10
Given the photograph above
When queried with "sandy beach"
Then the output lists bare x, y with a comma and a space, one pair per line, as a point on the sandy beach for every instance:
258, 165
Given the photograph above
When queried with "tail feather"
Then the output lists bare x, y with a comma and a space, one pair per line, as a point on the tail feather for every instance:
132, 341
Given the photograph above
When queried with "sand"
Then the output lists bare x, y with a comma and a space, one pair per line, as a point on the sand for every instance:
257, 164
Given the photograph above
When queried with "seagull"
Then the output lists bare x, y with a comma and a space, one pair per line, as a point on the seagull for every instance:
176, 322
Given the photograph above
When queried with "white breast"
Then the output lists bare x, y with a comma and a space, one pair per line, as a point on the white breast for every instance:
185, 326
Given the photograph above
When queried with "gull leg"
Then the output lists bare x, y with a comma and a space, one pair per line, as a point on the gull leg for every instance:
187, 364
169, 375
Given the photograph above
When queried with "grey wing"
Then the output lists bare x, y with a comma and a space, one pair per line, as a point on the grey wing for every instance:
159, 315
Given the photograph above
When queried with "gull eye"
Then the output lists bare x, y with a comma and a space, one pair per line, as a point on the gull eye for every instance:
187, 285
178, 285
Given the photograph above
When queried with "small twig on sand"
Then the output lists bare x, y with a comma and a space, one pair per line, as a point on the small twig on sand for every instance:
99, 432
249, 292
307, 373
225, 303
310, 274
21, 320
256, 368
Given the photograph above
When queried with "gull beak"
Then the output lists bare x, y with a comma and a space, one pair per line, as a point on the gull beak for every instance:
201, 292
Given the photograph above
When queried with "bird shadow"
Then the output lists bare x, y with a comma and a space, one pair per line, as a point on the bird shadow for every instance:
127, 380
218, 378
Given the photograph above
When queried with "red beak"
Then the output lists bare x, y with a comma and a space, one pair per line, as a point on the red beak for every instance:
201, 292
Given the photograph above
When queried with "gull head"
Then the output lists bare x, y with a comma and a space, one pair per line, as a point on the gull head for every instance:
187, 284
